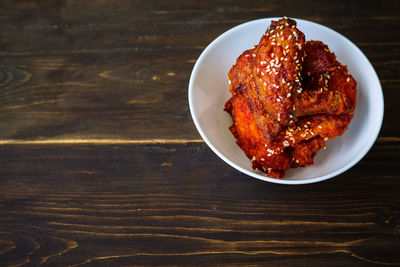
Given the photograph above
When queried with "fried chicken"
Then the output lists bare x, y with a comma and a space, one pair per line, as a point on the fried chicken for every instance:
251, 140
288, 97
329, 89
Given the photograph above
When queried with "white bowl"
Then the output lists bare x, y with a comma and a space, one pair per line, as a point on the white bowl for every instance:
209, 90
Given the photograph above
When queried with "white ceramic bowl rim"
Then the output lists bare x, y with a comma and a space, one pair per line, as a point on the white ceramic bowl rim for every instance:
355, 160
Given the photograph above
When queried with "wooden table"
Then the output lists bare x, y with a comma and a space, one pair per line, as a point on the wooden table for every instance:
101, 164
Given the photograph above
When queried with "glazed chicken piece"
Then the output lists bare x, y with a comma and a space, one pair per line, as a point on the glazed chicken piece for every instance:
329, 89
242, 83
268, 76
251, 139
279, 59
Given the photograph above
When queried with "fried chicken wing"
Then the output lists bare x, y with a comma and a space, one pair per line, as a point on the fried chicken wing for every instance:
251, 140
243, 84
276, 72
328, 88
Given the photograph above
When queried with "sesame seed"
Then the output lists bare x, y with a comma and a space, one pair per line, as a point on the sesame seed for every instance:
265, 84
319, 126
285, 143
229, 81
299, 91
290, 116
268, 155
262, 159
290, 37
253, 158
254, 55
308, 122
288, 95
348, 79
297, 161
278, 100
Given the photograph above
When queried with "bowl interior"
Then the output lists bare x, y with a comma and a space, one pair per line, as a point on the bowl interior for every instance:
209, 90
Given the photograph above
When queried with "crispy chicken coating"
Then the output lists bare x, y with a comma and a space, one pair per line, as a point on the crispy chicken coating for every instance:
242, 83
277, 68
288, 97
251, 140
329, 89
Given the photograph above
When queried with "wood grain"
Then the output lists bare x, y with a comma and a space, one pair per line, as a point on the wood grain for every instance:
101, 164
120, 70
178, 204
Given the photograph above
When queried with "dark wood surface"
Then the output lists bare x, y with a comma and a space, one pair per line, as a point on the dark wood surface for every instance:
101, 164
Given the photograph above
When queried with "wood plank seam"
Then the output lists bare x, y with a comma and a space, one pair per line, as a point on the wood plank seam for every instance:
126, 141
